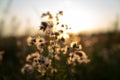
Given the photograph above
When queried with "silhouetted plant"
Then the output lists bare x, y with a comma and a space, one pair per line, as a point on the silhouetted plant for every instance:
54, 48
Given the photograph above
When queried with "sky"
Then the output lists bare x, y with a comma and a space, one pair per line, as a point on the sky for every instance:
81, 15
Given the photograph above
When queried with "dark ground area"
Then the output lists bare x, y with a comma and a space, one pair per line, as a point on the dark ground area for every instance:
103, 50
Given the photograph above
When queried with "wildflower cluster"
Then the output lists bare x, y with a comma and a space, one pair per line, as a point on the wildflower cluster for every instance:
52, 45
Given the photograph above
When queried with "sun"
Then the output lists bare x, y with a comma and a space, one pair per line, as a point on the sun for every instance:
78, 17
78, 21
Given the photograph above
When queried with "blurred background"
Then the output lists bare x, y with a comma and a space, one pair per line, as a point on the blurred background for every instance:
96, 23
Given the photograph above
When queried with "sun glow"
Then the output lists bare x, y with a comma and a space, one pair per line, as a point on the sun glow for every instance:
78, 17
78, 21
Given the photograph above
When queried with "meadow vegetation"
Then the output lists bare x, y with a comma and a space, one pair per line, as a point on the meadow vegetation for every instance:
57, 55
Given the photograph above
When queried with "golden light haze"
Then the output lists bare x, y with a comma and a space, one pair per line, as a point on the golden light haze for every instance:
80, 15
